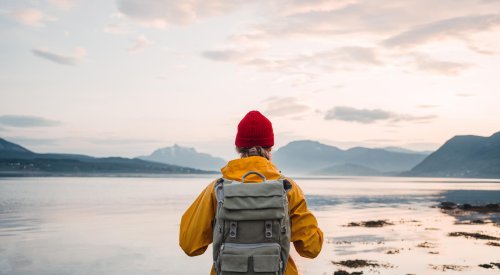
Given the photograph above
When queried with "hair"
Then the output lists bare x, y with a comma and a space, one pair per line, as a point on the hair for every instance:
254, 151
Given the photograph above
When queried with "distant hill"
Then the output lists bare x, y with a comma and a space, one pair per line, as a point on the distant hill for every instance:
184, 156
19, 161
463, 156
12, 150
306, 156
347, 169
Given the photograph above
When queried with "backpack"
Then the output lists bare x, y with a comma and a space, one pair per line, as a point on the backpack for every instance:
251, 230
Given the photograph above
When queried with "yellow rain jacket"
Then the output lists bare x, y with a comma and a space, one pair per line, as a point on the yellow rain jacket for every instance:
196, 224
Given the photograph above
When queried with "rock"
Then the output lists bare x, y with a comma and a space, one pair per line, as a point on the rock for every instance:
377, 223
466, 206
356, 263
447, 205
473, 235
343, 272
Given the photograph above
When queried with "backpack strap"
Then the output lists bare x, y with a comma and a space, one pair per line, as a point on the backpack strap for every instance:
219, 196
287, 185
219, 191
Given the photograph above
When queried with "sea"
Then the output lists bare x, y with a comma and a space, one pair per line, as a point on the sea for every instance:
130, 225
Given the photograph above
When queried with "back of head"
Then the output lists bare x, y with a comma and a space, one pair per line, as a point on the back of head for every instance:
255, 135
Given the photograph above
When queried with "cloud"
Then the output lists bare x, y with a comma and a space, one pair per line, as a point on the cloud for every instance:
285, 106
140, 44
342, 58
357, 115
291, 7
63, 59
357, 34
119, 25
453, 27
367, 116
32, 17
323, 18
480, 49
429, 64
162, 13
26, 121
230, 55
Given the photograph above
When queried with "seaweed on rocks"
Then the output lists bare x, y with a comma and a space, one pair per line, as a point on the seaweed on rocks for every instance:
343, 272
357, 263
473, 235
376, 223
426, 245
449, 267
361, 263
490, 265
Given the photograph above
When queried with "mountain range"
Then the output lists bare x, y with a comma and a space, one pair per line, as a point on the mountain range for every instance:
461, 156
18, 161
314, 158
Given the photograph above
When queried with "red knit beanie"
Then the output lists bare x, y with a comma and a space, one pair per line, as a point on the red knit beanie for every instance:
254, 130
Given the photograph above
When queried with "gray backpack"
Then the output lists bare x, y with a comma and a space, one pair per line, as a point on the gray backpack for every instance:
251, 233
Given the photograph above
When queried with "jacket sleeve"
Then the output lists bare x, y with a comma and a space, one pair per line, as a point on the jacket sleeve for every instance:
196, 224
306, 235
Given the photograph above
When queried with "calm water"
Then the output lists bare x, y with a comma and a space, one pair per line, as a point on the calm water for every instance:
130, 225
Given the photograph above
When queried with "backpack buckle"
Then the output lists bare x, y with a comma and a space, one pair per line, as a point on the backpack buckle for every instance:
233, 228
269, 229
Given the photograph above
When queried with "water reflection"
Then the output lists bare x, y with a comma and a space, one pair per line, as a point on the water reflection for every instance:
319, 202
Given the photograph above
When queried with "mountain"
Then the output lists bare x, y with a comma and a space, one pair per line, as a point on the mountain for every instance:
306, 156
9, 150
347, 169
19, 161
184, 156
463, 156
382, 160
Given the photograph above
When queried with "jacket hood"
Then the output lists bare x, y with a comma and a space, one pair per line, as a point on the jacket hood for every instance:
235, 169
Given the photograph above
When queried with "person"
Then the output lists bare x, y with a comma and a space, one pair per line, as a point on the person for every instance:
254, 141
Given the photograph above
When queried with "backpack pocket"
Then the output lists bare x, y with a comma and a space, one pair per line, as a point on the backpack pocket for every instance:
234, 264
269, 264
257, 259
263, 201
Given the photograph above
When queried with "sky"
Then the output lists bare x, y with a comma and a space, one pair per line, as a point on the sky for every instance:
125, 77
